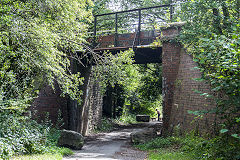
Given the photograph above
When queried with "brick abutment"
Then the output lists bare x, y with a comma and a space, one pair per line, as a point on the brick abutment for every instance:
179, 94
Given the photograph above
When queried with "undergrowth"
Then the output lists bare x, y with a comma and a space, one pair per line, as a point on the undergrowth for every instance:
192, 147
127, 118
108, 124
39, 157
21, 135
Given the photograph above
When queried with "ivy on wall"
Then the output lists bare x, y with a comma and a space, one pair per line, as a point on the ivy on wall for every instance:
211, 35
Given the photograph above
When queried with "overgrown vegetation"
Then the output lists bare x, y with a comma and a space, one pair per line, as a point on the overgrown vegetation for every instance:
192, 147
37, 40
35, 47
134, 89
20, 135
108, 124
39, 157
211, 35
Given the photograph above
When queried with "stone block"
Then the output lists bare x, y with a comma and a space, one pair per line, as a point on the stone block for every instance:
142, 118
71, 139
143, 136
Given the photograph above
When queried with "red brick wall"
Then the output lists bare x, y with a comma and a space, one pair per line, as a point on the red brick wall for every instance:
83, 117
50, 101
178, 89
170, 64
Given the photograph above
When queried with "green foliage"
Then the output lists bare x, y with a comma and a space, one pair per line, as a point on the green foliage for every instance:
39, 157
106, 125
37, 41
193, 147
165, 148
22, 135
151, 87
211, 35
60, 150
19, 135
132, 4
140, 85
127, 118
110, 71
216, 148
35, 46
160, 142
146, 95
169, 155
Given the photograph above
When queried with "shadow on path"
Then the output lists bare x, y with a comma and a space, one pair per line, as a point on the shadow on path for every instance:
109, 146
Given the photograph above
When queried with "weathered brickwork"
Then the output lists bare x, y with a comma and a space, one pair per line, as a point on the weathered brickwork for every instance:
179, 89
186, 98
170, 64
83, 117
50, 102
91, 108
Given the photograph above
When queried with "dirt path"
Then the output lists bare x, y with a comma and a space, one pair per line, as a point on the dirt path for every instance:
109, 146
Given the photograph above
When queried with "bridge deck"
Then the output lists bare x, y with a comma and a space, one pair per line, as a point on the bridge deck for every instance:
143, 55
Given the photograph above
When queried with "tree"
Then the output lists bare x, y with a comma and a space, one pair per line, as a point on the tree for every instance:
211, 35
36, 44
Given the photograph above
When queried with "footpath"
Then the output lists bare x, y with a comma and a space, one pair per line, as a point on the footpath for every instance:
110, 146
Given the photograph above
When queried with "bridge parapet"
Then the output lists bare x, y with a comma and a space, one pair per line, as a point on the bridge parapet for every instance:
130, 28
127, 39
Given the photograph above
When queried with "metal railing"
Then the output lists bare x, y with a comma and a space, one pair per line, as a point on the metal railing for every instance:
115, 26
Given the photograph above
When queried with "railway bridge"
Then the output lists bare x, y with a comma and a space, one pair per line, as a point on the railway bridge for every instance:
136, 29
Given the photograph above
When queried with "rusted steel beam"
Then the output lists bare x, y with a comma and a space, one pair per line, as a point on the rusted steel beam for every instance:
121, 48
112, 48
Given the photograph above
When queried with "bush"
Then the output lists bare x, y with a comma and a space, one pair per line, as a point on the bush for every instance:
195, 147
128, 118
107, 124
21, 135
219, 147
160, 142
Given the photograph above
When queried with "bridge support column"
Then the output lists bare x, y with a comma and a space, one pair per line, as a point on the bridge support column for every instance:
170, 63
84, 117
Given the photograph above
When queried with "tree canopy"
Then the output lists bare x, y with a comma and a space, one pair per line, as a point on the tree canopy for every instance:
36, 45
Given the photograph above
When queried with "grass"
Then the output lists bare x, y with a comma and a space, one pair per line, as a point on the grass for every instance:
62, 151
55, 153
167, 148
165, 154
39, 157
127, 119
191, 147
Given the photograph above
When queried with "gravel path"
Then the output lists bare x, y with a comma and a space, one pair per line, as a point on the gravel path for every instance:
109, 146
